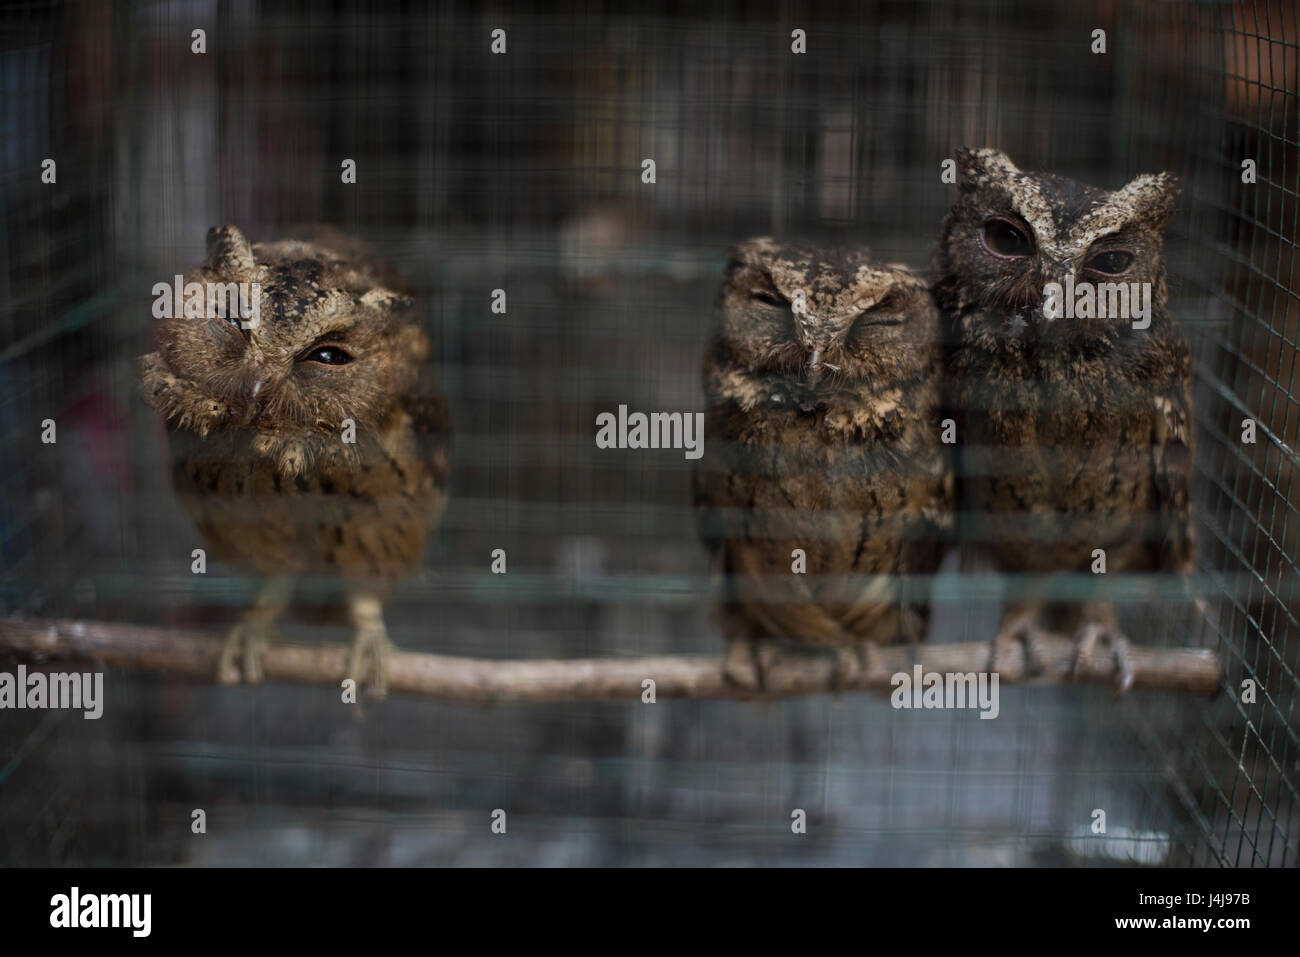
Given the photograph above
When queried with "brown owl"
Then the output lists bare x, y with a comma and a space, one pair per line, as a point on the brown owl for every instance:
1075, 417
824, 485
312, 443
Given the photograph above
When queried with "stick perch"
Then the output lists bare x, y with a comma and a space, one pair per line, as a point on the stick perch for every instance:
194, 655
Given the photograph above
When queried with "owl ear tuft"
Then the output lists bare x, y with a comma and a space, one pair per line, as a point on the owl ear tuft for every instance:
976, 167
1153, 197
229, 250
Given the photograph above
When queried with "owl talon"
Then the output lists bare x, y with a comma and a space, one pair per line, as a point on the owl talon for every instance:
242, 654
1086, 639
227, 670
748, 661
368, 658
1021, 630
851, 666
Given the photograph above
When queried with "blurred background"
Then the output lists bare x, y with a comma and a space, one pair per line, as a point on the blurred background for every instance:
522, 171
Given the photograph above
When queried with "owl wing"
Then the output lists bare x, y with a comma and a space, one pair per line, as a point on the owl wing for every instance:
793, 612
1172, 469
725, 499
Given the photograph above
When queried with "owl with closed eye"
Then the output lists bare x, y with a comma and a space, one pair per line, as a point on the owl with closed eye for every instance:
824, 491
307, 436
1071, 385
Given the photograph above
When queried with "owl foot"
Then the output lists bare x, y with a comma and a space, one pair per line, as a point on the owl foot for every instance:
242, 653
368, 657
1085, 641
1020, 630
370, 650
852, 662
748, 661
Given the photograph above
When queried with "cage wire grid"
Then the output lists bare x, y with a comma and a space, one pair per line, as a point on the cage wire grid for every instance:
522, 173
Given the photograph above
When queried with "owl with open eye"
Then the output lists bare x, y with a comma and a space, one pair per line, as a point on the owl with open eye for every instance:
1071, 385
309, 441
824, 490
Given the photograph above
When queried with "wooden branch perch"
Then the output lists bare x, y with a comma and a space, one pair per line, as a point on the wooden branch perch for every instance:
194, 655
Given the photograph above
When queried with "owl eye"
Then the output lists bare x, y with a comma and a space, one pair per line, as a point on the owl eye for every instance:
1005, 239
1115, 262
327, 356
767, 297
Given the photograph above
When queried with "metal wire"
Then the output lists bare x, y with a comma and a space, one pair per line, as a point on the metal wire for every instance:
522, 172
1233, 767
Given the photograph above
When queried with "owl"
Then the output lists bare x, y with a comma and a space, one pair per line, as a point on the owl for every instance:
1074, 426
824, 487
310, 442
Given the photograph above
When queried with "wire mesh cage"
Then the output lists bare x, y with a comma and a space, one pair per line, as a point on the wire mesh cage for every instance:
522, 171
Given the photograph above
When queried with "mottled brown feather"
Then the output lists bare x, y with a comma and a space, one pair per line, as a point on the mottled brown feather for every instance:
844, 463
1075, 434
257, 434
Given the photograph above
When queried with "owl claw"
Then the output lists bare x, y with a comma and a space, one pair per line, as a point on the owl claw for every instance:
1086, 639
368, 658
748, 661
851, 666
1021, 630
242, 654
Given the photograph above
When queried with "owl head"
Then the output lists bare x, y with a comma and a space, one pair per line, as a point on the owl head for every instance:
1012, 233
334, 340
823, 320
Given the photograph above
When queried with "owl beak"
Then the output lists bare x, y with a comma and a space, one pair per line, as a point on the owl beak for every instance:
253, 405
816, 369
1060, 272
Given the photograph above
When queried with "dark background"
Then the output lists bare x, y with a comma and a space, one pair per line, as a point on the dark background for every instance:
522, 172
